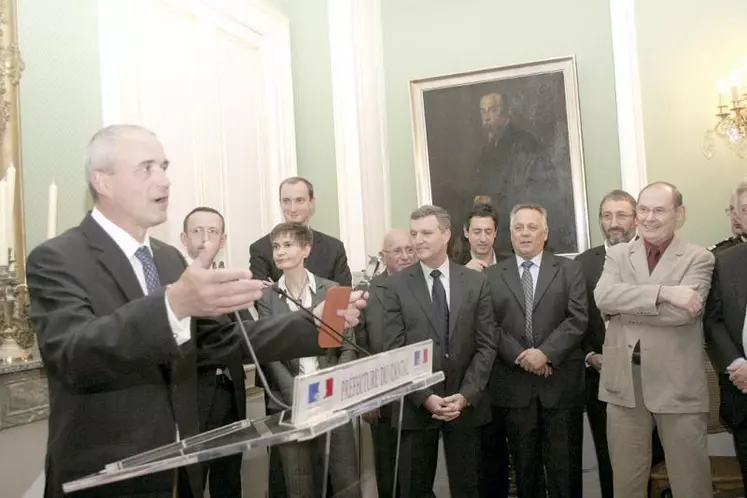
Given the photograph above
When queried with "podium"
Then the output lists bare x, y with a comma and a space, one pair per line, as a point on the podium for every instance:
322, 401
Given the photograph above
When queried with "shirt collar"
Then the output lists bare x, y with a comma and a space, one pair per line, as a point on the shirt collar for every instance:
444, 269
124, 240
493, 259
537, 260
311, 282
661, 248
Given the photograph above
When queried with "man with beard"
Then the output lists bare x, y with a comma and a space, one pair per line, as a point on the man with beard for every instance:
514, 168
617, 220
652, 292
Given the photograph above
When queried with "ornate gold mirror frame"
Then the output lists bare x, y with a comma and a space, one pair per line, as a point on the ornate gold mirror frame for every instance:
17, 338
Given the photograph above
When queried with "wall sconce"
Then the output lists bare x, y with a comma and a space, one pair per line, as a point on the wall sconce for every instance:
731, 127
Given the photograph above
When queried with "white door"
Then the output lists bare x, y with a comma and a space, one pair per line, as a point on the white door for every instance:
212, 79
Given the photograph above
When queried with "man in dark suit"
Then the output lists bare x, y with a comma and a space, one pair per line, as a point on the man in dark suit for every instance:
737, 232
221, 388
438, 300
541, 312
480, 230
396, 253
725, 332
116, 319
327, 259
617, 220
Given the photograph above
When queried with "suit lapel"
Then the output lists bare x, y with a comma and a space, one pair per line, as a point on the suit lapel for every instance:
168, 271
419, 288
112, 259
601, 254
668, 260
456, 294
548, 270
639, 260
510, 274
739, 285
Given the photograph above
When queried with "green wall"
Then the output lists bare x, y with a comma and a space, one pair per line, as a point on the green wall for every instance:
312, 101
60, 106
425, 38
683, 52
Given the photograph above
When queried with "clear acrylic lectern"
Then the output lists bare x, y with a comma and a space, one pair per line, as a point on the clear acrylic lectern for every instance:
278, 429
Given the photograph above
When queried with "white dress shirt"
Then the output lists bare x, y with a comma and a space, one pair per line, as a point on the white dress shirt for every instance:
444, 269
129, 246
309, 364
493, 261
534, 270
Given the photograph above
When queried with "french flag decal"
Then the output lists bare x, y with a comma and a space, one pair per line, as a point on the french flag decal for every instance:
321, 390
421, 356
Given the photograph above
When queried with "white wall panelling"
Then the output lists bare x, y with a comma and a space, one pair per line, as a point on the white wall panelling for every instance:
213, 79
628, 92
360, 126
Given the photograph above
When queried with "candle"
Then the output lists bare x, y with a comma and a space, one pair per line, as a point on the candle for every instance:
736, 80
52, 212
3, 222
723, 89
10, 175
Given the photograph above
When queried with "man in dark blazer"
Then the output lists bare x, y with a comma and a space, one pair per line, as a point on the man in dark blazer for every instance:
396, 253
221, 388
617, 221
438, 300
541, 313
116, 319
724, 327
327, 259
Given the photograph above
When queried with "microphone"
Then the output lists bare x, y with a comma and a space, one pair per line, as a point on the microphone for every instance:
260, 373
326, 328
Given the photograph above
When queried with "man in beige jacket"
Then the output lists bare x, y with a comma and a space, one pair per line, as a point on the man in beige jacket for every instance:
652, 292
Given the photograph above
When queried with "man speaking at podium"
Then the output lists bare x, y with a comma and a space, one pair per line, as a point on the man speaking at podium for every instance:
116, 314
450, 304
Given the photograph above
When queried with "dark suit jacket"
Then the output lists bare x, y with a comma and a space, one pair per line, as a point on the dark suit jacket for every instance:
592, 262
327, 259
369, 334
207, 378
558, 322
723, 323
410, 318
118, 382
280, 374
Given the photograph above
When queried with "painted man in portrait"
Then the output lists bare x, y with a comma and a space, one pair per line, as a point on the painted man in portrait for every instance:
513, 167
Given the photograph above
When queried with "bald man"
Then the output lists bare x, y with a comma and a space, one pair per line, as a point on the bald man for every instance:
396, 253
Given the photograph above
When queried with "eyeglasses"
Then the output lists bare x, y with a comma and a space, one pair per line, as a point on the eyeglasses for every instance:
658, 212
200, 231
400, 251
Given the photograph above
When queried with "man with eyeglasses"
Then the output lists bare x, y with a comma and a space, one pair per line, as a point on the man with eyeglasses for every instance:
737, 232
652, 292
397, 253
617, 221
221, 388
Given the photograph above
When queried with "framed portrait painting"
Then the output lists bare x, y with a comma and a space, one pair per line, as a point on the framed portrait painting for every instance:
509, 135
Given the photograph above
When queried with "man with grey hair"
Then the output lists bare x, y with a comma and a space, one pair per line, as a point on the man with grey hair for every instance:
651, 292
737, 232
449, 304
116, 316
726, 334
540, 306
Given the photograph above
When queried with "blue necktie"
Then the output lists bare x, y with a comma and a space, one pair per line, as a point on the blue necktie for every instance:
152, 281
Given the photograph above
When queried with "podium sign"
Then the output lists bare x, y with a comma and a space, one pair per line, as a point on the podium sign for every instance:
356, 388
322, 393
